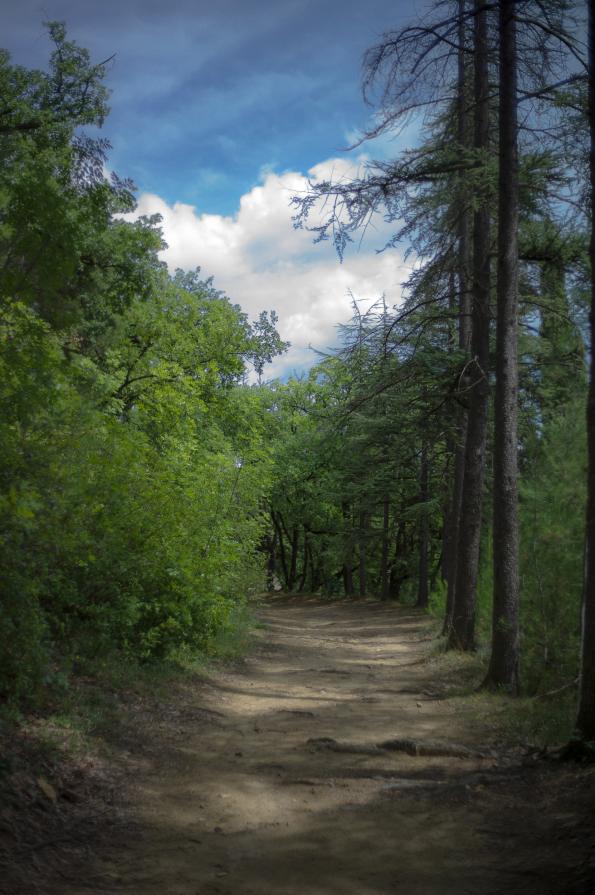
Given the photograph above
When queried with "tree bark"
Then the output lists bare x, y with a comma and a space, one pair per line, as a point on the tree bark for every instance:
304, 572
449, 516
503, 671
384, 573
462, 630
363, 572
272, 559
348, 553
464, 266
295, 542
585, 722
279, 531
348, 586
315, 577
424, 527
396, 579
455, 517
447, 545
463, 227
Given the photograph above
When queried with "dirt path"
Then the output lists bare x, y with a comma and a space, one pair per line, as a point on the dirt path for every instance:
272, 782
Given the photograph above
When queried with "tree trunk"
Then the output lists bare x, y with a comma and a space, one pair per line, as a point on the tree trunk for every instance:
315, 579
396, 579
302, 581
455, 517
295, 542
503, 671
423, 589
272, 559
279, 531
447, 545
462, 631
464, 227
585, 722
384, 576
348, 585
450, 445
363, 524
437, 570
464, 302
347, 553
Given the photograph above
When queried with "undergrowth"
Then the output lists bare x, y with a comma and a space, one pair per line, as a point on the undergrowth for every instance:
78, 713
530, 721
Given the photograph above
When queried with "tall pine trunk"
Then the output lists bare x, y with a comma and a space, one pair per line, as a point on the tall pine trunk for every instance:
315, 576
462, 629
396, 579
363, 543
347, 551
384, 570
503, 671
585, 722
464, 326
423, 580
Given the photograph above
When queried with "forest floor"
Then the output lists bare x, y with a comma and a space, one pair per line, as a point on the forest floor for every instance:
339, 758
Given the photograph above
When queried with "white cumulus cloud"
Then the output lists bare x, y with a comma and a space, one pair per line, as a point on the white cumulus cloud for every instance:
262, 262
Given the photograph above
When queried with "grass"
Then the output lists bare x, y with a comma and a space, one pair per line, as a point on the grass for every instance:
524, 722
80, 713
237, 637
532, 722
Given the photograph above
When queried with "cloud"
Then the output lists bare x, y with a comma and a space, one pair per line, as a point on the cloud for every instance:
262, 262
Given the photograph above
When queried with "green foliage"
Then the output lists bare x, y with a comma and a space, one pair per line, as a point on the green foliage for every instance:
134, 535
134, 468
143, 480
552, 501
346, 504
552, 528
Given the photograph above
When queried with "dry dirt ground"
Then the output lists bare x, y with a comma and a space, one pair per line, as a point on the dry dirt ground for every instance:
288, 775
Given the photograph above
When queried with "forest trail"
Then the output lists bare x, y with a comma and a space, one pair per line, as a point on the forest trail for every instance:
272, 782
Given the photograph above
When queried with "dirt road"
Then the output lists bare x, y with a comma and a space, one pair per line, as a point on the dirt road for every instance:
272, 780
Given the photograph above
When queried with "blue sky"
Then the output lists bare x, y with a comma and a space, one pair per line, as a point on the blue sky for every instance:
219, 111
